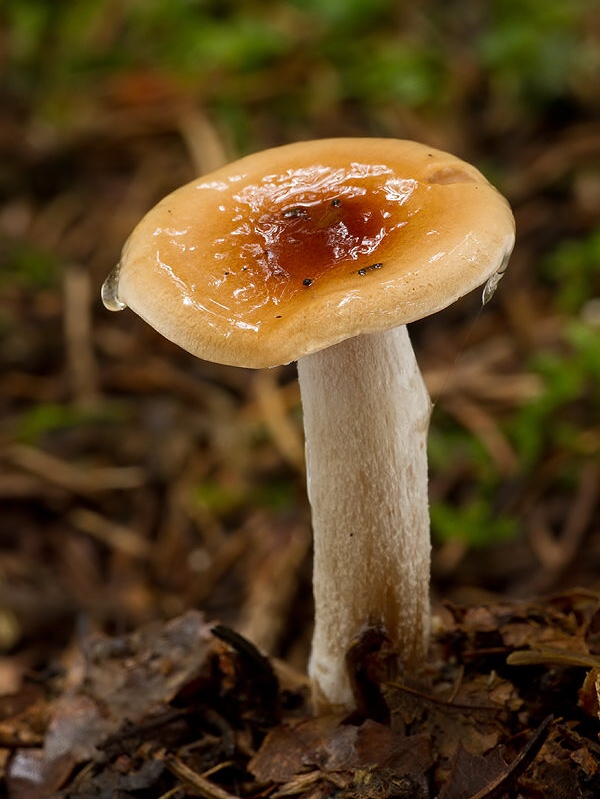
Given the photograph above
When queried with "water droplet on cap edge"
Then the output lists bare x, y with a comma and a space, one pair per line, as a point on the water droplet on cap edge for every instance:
492, 284
109, 293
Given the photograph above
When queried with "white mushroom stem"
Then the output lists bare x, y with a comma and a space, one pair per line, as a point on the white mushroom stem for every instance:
366, 417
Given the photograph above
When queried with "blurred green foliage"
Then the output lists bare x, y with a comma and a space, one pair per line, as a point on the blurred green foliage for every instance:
30, 267
276, 495
573, 270
46, 418
471, 514
552, 422
536, 50
217, 498
370, 53
297, 64
474, 522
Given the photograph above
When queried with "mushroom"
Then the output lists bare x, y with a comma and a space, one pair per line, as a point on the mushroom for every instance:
321, 252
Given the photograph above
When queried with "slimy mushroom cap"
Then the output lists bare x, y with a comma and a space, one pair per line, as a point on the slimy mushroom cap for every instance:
294, 249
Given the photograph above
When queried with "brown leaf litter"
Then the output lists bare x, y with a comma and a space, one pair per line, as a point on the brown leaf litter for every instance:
507, 706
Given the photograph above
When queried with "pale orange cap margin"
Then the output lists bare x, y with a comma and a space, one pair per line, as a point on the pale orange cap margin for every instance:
297, 248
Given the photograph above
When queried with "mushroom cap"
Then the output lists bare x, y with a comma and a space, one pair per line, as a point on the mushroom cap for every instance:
296, 248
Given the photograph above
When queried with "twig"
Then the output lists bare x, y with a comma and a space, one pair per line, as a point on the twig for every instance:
518, 765
274, 583
286, 435
556, 554
302, 782
70, 477
540, 655
474, 418
202, 140
110, 533
203, 786
449, 703
81, 362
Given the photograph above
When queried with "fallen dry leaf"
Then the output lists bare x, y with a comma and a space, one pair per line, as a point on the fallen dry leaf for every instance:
126, 679
187, 705
332, 746
475, 777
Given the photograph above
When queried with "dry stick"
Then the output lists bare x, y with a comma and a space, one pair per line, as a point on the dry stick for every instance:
479, 373
557, 554
114, 535
540, 655
71, 477
176, 791
81, 361
22, 486
581, 511
205, 787
285, 434
518, 765
231, 550
202, 140
273, 588
448, 703
482, 425
301, 783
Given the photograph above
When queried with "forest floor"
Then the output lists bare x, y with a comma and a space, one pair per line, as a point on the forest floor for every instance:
155, 549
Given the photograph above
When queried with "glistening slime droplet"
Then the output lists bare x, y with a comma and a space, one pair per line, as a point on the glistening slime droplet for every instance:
110, 288
492, 284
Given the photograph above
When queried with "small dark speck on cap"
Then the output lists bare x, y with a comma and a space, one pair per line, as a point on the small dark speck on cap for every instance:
336, 203
307, 281
279, 317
